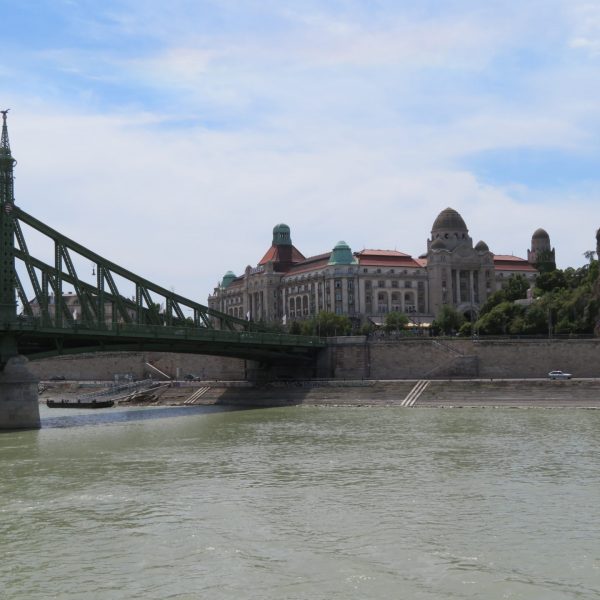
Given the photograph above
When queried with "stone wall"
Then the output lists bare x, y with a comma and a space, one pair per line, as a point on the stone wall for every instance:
354, 358
438, 359
104, 366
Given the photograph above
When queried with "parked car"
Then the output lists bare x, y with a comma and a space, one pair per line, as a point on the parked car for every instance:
559, 375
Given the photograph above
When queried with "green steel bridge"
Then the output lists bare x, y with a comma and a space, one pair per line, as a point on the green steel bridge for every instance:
48, 308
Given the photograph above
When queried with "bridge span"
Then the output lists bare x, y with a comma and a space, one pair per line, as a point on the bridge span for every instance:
47, 307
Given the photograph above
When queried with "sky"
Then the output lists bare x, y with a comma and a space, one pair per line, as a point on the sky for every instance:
170, 137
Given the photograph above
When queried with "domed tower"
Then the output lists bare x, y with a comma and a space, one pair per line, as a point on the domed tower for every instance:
542, 254
459, 274
227, 279
281, 235
450, 228
342, 255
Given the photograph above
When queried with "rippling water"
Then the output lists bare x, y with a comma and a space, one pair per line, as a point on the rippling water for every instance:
302, 503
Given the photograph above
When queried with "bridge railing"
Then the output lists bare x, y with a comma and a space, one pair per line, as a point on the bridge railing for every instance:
191, 333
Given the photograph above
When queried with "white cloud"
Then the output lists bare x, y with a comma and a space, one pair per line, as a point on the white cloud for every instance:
585, 18
343, 128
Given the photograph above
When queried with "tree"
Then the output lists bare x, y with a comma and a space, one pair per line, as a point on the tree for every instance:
327, 324
448, 321
395, 321
295, 328
589, 254
550, 281
497, 320
516, 288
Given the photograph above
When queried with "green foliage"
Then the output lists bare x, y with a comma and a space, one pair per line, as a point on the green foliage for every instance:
498, 320
395, 321
448, 321
295, 328
566, 302
515, 289
326, 324
551, 281
366, 328
466, 329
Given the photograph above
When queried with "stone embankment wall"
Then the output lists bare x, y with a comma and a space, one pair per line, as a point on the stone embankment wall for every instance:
104, 366
355, 358
441, 359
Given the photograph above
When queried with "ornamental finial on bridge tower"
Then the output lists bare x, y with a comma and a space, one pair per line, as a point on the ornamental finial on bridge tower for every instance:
7, 162
5, 144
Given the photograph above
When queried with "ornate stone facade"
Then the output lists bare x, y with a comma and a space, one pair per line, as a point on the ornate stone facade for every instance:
285, 285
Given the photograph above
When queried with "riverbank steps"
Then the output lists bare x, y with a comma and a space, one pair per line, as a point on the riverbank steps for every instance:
455, 393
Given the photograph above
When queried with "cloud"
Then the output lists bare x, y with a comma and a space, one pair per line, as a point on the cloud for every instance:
179, 134
585, 17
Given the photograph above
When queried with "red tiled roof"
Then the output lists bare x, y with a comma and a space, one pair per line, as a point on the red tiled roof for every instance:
309, 264
509, 257
369, 252
273, 255
508, 262
388, 258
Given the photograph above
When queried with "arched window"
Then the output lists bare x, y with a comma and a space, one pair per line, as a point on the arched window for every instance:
305, 305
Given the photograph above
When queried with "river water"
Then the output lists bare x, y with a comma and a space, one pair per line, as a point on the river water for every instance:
302, 503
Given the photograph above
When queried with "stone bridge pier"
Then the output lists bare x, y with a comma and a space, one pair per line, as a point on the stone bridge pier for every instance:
19, 404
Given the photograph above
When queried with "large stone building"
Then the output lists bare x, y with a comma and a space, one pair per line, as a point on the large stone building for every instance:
285, 285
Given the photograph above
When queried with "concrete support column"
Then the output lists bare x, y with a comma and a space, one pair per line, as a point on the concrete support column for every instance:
19, 405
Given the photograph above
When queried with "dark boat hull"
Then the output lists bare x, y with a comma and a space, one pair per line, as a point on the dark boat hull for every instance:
75, 404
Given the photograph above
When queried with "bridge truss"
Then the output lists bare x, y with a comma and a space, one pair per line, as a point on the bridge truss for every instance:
60, 310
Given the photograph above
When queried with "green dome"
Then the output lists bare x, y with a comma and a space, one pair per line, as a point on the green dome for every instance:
342, 255
228, 278
281, 235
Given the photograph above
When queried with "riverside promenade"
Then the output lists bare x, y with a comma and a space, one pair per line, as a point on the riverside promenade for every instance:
452, 393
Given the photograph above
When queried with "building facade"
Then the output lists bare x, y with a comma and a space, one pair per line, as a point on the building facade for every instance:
366, 285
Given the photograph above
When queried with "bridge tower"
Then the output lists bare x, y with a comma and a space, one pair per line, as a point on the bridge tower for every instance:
19, 408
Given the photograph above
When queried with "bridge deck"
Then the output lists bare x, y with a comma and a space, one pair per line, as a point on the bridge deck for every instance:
38, 340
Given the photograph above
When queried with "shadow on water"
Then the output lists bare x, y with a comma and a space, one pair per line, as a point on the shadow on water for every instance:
82, 417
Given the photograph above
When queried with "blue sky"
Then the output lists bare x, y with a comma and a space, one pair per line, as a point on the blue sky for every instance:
171, 136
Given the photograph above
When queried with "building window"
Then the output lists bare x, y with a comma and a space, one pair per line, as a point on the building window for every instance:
338, 283
394, 283
408, 284
381, 283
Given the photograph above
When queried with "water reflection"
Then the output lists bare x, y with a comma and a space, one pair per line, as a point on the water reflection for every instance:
73, 417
